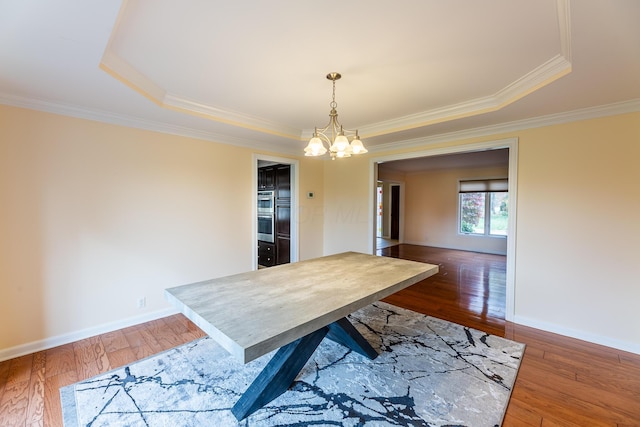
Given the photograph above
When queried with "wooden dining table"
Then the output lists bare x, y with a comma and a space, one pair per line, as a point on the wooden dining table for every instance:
291, 308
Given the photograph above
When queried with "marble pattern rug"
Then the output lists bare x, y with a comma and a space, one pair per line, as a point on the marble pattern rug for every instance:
429, 373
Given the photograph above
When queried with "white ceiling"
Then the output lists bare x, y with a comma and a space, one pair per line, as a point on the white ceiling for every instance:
254, 74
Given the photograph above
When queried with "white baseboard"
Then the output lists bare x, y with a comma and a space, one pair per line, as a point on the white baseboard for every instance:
47, 343
455, 248
581, 335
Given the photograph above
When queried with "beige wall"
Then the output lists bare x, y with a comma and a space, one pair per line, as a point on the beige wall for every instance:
577, 235
431, 210
95, 216
311, 210
348, 194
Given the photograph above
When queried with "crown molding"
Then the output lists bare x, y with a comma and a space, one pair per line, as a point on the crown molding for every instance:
564, 24
230, 117
137, 123
624, 107
553, 69
122, 71
546, 73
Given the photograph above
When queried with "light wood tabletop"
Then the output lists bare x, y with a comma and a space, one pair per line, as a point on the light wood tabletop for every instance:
292, 308
253, 313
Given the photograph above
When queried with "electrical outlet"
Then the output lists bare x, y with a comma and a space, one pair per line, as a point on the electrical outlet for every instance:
142, 302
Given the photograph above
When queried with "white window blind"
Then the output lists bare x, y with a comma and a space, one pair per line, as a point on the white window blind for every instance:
484, 185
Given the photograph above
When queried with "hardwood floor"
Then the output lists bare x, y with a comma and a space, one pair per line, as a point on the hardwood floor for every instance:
469, 289
29, 385
562, 381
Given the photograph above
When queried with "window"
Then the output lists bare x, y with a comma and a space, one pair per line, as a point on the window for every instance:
484, 207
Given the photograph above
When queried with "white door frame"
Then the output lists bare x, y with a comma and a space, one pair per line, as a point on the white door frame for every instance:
512, 145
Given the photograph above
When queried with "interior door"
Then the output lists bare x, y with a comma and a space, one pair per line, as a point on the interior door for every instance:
394, 233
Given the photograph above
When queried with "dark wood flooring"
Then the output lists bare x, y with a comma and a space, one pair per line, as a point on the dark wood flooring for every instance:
561, 382
469, 288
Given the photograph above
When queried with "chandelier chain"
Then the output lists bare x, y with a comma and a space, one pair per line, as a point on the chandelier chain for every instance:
333, 103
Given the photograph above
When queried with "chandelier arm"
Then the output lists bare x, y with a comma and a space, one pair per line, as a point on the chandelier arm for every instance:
324, 138
334, 134
324, 129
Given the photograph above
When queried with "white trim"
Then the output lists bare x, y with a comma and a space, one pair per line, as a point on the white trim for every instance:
113, 64
541, 76
453, 247
630, 106
47, 343
548, 72
512, 145
454, 149
624, 107
564, 24
577, 334
510, 297
139, 123
232, 117
373, 211
125, 72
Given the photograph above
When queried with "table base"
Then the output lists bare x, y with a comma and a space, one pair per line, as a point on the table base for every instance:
286, 364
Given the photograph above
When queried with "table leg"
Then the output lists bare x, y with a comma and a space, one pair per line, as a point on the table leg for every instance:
343, 332
287, 363
278, 375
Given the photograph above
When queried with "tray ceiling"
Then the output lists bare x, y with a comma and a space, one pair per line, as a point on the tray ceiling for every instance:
256, 75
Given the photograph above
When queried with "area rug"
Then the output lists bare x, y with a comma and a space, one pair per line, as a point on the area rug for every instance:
429, 373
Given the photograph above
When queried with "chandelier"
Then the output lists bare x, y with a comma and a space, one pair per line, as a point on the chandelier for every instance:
333, 134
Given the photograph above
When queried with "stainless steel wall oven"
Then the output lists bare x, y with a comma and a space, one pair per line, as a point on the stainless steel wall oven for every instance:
266, 202
266, 216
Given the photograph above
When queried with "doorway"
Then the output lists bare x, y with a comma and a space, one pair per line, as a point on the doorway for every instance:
388, 214
511, 145
276, 231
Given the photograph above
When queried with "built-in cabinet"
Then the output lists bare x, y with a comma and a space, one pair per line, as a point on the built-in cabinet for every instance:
277, 178
283, 213
283, 183
267, 178
266, 254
